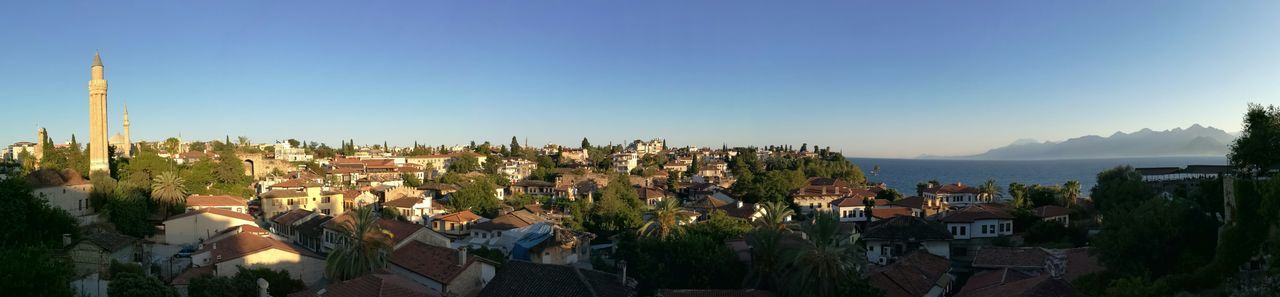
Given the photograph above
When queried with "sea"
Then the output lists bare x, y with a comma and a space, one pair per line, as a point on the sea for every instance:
903, 174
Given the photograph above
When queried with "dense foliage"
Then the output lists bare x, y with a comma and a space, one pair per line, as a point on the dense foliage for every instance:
32, 262
245, 283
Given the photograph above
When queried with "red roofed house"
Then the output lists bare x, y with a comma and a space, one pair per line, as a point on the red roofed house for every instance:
252, 251
445, 270
916, 274
236, 204
402, 233
1053, 213
196, 226
889, 212
456, 225
978, 221
955, 195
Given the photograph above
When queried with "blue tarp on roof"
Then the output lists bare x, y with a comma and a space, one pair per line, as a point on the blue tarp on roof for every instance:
521, 249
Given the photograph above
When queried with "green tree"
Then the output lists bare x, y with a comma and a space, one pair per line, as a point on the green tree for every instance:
990, 188
367, 251
889, 194
585, 144
1018, 192
1071, 193
1258, 147
411, 180
196, 146
1157, 238
826, 264
168, 191
171, 145
664, 221
1120, 188
138, 285
617, 209
32, 259
465, 163
477, 196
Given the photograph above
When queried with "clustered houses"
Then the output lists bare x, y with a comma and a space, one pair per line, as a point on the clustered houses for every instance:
300, 216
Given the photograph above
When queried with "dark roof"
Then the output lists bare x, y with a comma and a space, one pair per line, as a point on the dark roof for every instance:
916, 202
716, 293
400, 231
534, 183
524, 279
291, 216
111, 241
974, 213
372, 285
437, 263
1015, 257
741, 210
1191, 169
1157, 170
906, 228
1049, 211
1039, 286
889, 212
312, 228
987, 278
508, 221
912, 275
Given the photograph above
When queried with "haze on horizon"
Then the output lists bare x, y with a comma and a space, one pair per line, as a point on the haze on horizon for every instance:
869, 78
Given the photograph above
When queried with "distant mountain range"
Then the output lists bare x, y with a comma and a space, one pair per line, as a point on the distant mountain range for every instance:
1193, 141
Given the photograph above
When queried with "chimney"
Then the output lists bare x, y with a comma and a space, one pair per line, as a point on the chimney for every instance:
739, 203
262, 288
66, 239
622, 272
462, 256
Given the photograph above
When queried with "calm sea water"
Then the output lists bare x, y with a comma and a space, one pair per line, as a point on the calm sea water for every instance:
903, 174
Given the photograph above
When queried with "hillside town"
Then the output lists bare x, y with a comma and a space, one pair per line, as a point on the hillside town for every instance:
231, 217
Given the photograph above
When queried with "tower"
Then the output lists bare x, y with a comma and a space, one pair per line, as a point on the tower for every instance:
128, 142
44, 136
98, 118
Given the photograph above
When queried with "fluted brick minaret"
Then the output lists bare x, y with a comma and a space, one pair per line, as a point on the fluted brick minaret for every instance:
98, 158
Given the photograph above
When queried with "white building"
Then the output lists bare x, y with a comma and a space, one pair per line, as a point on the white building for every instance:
954, 196
978, 221
625, 162
287, 152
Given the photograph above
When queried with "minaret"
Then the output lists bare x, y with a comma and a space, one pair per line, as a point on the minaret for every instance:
44, 136
98, 119
128, 142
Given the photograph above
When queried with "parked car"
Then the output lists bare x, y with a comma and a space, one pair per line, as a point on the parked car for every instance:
185, 252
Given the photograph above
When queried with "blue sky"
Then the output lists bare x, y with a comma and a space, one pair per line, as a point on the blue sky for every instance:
871, 78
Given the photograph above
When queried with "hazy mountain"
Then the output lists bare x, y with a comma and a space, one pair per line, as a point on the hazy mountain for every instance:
1193, 141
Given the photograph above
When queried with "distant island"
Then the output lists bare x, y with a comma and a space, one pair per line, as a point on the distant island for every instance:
1196, 140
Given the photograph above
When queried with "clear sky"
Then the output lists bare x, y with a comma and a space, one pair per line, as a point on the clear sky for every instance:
871, 78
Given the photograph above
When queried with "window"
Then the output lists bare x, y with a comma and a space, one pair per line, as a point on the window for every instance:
325, 200
325, 211
963, 231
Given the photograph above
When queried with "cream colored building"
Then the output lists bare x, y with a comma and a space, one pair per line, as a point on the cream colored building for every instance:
299, 194
252, 251
65, 190
196, 226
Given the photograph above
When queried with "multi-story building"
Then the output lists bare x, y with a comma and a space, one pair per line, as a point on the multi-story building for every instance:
301, 194
957, 195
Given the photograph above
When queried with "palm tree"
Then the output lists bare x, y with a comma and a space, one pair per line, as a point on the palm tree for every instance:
664, 221
1072, 188
366, 249
825, 264
168, 190
990, 189
243, 141
776, 216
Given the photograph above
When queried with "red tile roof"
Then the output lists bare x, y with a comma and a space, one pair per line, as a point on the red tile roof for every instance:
956, 188
215, 200
912, 275
1014, 257
889, 212
436, 263
241, 245
461, 216
1039, 286
1049, 211
215, 211
291, 216
400, 231
916, 202
295, 183
974, 213
372, 285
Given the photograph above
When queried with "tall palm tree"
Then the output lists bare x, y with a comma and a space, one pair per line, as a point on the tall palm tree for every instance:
168, 189
990, 189
766, 245
776, 216
826, 263
1072, 192
664, 220
366, 248
243, 141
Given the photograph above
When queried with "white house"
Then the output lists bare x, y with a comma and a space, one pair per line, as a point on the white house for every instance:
957, 195
252, 251
850, 209
977, 221
198, 225
888, 239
